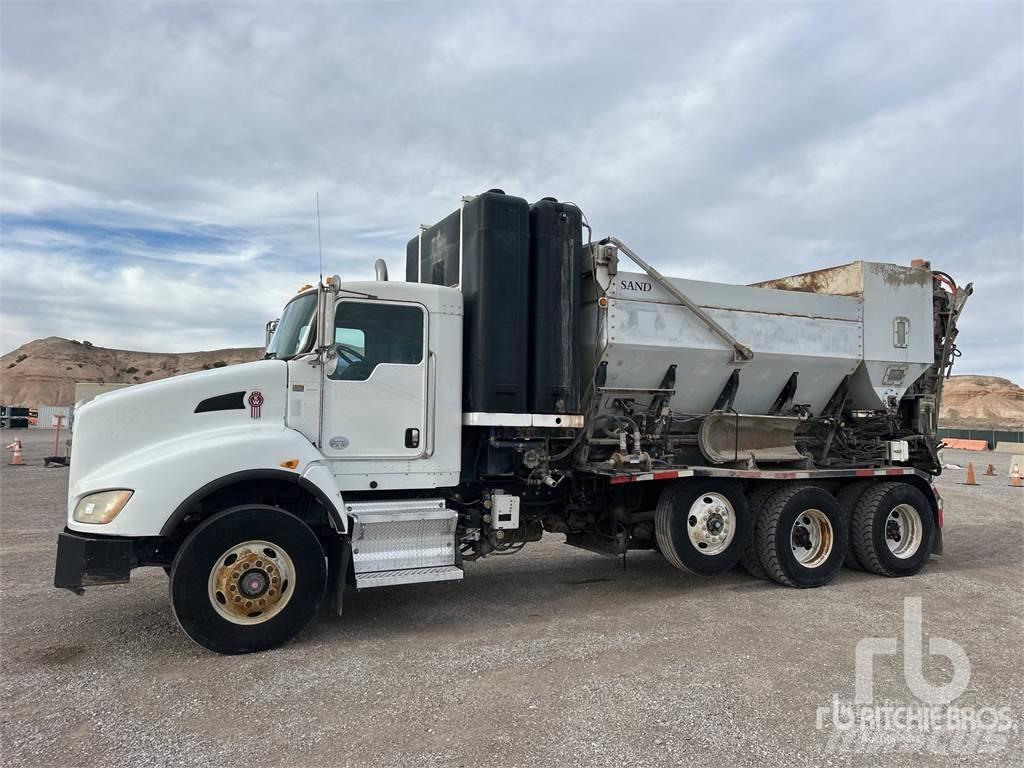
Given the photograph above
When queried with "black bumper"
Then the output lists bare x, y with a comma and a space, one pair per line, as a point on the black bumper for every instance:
84, 560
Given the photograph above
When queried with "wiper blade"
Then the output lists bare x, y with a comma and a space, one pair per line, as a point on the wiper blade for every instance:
270, 356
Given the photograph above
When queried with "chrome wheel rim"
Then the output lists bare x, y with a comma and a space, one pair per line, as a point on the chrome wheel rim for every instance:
252, 582
711, 524
811, 538
903, 531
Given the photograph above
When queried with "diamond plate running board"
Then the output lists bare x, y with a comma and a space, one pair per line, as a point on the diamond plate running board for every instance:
403, 541
408, 576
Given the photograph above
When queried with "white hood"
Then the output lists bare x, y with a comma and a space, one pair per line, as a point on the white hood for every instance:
118, 424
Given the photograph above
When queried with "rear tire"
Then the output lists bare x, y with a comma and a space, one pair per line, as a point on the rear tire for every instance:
801, 536
848, 496
247, 579
703, 526
757, 499
893, 530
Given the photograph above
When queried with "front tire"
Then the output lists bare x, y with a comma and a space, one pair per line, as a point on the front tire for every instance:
702, 526
247, 579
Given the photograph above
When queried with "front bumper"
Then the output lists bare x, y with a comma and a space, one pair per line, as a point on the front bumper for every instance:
85, 560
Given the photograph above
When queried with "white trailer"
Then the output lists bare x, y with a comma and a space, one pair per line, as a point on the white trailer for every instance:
788, 426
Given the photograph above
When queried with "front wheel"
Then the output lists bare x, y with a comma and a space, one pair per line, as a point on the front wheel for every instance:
702, 526
248, 579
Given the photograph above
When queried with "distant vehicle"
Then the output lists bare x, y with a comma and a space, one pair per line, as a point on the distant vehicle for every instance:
521, 382
14, 417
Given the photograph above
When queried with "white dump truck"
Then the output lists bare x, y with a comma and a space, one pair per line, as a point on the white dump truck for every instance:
521, 381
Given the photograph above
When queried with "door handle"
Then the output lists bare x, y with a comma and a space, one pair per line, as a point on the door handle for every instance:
412, 437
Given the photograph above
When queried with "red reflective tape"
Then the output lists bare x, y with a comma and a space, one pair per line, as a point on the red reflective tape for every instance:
749, 474
940, 515
895, 472
666, 475
864, 473
617, 479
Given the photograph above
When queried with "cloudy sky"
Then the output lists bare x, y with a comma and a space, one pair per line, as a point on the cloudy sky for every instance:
160, 161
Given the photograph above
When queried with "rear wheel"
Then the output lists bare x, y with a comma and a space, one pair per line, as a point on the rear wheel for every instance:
848, 497
702, 526
248, 579
800, 537
893, 530
757, 499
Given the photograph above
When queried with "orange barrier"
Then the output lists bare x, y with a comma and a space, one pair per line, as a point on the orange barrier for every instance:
965, 445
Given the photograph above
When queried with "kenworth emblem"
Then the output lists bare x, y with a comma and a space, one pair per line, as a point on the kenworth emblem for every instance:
255, 403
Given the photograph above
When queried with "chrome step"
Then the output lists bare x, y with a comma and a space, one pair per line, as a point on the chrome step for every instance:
408, 576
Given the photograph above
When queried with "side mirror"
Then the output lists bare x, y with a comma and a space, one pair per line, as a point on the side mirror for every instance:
271, 327
325, 297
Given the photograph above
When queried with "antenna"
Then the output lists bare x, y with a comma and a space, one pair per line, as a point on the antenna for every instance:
319, 239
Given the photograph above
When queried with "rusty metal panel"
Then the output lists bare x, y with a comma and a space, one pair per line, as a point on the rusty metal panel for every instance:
844, 280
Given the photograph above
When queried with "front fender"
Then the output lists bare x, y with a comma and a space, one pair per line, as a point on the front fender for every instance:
164, 476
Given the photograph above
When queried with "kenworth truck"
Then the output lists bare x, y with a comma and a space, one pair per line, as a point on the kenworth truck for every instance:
521, 381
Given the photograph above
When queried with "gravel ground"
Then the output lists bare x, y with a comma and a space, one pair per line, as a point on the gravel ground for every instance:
553, 656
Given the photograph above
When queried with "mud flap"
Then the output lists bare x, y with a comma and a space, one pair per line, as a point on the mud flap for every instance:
339, 572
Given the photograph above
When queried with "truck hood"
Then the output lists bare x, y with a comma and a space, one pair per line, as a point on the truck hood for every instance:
119, 423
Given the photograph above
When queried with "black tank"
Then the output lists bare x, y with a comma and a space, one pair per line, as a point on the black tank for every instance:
556, 255
495, 279
412, 264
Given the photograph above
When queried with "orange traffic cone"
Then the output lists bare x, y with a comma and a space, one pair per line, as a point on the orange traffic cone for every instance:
1015, 477
16, 460
991, 471
970, 479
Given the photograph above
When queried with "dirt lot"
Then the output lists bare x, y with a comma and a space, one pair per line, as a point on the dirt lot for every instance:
550, 657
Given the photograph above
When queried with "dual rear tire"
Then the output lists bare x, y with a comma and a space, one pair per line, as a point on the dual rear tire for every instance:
892, 530
798, 535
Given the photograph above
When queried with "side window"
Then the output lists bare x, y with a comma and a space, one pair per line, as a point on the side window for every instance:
368, 334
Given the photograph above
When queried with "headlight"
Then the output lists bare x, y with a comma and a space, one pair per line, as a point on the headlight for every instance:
100, 508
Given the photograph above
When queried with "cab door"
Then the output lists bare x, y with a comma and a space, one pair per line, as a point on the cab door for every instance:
375, 382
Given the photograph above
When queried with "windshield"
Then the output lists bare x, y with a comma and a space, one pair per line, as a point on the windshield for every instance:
294, 329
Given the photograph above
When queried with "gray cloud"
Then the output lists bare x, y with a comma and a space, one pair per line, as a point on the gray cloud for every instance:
726, 142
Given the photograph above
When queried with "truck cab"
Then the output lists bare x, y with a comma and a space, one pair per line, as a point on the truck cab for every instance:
375, 396
358, 398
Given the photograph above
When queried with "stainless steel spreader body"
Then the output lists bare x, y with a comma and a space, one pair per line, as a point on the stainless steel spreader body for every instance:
868, 320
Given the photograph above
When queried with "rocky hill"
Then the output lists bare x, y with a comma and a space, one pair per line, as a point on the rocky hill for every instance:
982, 401
44, 371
